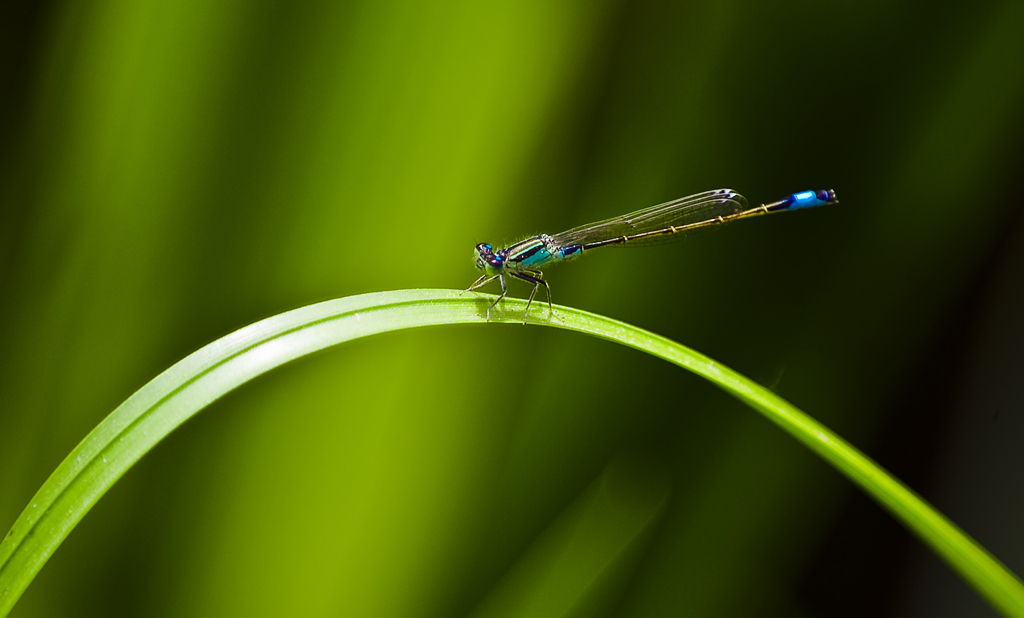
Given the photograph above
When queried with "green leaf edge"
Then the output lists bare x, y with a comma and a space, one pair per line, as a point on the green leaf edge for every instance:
174, 396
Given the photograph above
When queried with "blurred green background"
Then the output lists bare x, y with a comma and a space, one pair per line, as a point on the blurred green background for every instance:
172, 171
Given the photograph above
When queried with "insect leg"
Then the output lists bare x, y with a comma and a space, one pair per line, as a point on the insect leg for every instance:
539, 275
536, 284
482, 281
504, 290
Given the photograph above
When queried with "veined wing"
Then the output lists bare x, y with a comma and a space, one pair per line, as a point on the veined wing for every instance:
685, 211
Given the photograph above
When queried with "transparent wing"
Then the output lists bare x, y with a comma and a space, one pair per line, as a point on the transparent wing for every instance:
691, 210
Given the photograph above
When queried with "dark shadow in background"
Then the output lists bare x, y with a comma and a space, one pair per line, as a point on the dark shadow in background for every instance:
22, 34
868, 564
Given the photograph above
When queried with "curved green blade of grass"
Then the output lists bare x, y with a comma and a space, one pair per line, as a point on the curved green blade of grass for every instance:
186, 388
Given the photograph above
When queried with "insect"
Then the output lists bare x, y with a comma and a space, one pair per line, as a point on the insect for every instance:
525, 259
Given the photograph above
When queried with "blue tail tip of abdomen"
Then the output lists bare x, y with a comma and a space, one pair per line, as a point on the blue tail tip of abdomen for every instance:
810, 199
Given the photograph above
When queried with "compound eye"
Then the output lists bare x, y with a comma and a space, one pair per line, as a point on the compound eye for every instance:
823, 196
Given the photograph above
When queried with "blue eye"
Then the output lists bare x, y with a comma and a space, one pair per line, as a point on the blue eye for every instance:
489, 247
498, 258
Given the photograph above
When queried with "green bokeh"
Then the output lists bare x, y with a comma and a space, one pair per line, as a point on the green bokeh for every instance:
177, 170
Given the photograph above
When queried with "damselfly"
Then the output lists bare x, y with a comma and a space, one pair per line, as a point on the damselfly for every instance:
525, 259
